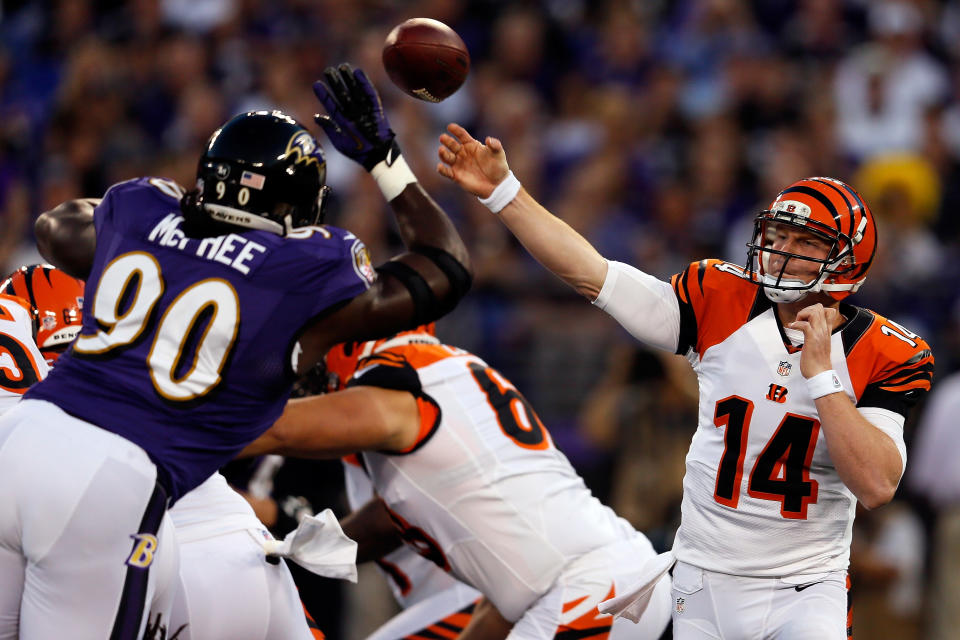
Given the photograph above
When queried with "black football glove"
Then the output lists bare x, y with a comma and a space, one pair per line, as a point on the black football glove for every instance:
355, 121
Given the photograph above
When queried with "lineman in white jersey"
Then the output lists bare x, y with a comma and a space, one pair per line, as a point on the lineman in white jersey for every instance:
21, 364
226, 589
802, 397
427, 595
468, 476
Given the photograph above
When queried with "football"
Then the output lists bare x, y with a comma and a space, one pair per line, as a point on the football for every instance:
426, 59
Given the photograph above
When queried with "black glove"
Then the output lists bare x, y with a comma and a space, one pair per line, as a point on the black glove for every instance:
356, 123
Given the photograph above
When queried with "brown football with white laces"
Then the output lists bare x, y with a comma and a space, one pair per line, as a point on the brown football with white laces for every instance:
426, 59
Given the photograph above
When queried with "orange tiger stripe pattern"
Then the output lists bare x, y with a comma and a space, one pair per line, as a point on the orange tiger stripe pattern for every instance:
591, 624
312, 624
890, 367
449, 627
703, 325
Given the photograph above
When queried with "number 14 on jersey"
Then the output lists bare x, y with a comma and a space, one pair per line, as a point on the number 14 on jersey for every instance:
781, 472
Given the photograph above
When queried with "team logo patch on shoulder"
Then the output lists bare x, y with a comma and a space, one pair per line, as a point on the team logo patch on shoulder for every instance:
361, 262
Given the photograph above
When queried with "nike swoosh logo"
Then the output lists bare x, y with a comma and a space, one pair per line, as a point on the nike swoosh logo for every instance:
805, 586
360, 372
390, 157
356, 140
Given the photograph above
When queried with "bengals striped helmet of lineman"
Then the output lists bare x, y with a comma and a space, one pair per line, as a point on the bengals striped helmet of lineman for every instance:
342, 360
56, 303
832, 211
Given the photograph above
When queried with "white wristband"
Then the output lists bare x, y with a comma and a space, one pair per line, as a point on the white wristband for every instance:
503, 194
393, 178
824, 383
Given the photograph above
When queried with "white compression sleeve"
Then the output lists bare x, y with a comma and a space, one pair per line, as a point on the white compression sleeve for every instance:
643, 305
891, 423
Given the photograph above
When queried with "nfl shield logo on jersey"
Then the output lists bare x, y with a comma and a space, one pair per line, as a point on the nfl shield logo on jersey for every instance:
784, 368
680, 603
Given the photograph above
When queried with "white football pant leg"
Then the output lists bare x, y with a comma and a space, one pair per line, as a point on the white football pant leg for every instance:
229, 591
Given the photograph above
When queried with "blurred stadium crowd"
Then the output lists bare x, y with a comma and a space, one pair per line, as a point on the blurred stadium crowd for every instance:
658, 128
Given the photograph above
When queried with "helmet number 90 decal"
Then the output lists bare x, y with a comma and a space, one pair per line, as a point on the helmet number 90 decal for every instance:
243, 196
191, 342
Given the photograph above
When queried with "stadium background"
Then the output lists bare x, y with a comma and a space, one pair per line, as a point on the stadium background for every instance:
656, 128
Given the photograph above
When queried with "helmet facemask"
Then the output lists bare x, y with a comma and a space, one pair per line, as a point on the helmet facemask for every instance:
781, 286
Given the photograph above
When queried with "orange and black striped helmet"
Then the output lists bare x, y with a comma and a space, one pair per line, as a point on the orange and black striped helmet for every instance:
56, 303
833, 211
342, 359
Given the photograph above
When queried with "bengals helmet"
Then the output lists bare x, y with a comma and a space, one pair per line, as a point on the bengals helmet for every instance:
56, 304
263, 170
832, 211
342, 359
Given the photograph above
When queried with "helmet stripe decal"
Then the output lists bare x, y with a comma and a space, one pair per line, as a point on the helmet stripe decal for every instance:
838, 189
28, 281
822, 199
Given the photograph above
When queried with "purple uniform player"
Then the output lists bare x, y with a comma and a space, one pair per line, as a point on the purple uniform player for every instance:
213, 352
202, 309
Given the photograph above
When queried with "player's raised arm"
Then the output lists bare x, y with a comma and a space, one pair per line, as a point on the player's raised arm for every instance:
429, 279
644, 305
482, 169
66, 237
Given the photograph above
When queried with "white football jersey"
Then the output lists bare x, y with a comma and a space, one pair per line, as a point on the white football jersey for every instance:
412, 578
483, 493
21, 363
761, 495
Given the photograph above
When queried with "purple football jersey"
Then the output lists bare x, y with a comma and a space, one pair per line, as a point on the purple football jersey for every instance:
188, 345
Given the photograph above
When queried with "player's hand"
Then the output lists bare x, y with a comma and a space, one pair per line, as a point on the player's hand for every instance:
817, 323
477, 168
355, 121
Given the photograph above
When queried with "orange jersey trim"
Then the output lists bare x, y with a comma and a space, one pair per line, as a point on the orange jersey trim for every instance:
890, 367
705, 323
591, 624
430, 416
21, 354
454, 624
6, 315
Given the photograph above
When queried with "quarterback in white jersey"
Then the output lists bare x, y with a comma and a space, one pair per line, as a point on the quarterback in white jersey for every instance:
428, 596
803, 397
470, 477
